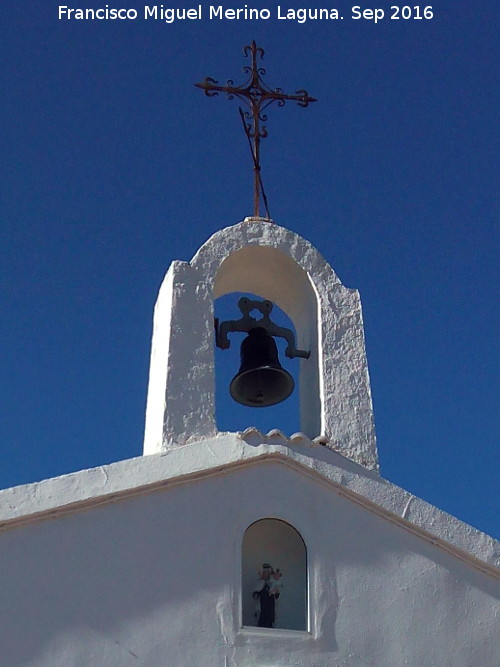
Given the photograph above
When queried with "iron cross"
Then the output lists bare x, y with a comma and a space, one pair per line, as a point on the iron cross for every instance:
257, 96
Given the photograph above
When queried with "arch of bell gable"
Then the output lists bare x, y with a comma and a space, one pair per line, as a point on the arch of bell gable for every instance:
267, 260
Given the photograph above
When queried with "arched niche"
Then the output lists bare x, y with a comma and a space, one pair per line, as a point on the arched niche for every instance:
276, 543
272, 274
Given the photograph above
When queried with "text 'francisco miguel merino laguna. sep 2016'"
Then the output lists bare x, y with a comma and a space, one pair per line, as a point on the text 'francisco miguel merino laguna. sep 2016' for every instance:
246, 13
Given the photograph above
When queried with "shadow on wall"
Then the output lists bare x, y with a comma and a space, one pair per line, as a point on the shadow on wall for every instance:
274, 576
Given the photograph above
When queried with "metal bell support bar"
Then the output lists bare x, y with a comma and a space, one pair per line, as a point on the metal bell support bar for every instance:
247, 322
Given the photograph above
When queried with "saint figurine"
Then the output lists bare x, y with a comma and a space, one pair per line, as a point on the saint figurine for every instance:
266, 592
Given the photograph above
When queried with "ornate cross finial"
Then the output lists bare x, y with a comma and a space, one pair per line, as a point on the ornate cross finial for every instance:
257, 96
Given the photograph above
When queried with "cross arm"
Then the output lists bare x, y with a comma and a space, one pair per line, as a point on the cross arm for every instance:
211, 87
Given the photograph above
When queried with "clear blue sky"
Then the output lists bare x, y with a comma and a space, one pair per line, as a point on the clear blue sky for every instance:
113, 165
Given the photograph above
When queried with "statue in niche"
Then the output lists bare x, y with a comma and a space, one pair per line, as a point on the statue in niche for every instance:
266, 594
276, 589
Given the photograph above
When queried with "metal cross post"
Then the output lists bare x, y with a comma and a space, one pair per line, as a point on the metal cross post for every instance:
257, 96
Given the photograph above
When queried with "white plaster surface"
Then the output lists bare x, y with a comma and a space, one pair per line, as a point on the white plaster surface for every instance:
139, 563
276, 264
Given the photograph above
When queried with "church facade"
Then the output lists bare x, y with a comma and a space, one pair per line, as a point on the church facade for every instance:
246, 549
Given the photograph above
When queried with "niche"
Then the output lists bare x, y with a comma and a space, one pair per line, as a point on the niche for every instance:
274, 596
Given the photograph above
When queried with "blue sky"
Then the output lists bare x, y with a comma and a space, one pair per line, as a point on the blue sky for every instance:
114, 165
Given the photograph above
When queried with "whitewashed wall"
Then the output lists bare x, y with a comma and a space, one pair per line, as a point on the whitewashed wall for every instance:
155, 580
276, 264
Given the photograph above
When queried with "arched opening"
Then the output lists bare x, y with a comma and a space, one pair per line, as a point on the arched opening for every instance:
274, 596
231, 415
271, 274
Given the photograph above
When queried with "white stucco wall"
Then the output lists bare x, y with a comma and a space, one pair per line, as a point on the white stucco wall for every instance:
154, 578
277, 264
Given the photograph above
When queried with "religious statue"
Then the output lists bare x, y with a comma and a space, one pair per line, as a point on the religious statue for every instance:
266, 593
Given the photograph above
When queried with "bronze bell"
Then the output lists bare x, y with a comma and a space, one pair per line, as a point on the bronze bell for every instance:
261, 380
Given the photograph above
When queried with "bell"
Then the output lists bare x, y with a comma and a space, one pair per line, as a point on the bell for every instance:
261, 380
